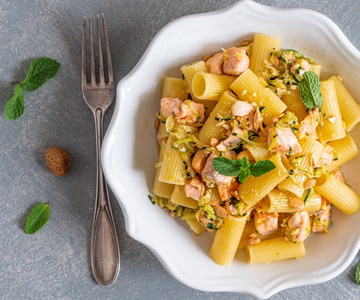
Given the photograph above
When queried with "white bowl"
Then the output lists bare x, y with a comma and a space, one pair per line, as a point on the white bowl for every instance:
130, 150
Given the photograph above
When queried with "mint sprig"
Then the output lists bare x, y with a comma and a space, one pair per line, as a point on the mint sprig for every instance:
242, 168
357, 273
309, 89
37, 218
40, 70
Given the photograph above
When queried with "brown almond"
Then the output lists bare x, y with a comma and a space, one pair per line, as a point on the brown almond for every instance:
57, 160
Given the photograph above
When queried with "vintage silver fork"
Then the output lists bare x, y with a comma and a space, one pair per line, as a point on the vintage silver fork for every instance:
98, 91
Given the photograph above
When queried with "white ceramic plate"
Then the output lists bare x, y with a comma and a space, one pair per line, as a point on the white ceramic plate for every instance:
130, 150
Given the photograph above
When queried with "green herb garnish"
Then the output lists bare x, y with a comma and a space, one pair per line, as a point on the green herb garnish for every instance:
37, 218
357, 273
15, 106
40, 70
307, 195
242, 168
309, 88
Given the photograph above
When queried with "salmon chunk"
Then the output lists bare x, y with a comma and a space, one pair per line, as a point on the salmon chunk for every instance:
283, 141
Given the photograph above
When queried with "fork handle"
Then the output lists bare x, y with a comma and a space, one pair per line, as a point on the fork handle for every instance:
105, 253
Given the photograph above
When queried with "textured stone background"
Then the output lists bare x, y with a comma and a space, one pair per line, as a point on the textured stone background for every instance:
54, 263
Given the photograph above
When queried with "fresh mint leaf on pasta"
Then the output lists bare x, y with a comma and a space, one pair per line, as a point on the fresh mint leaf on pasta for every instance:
244, 175
242, 168
309, 89
37, 218
230, 167
261, 167
40, 70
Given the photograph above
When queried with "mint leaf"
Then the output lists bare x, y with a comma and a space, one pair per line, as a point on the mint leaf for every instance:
261, 167
357, 273
15, 106
37, 218
244, 175
309, 88
227, 166
40, 70
242, 168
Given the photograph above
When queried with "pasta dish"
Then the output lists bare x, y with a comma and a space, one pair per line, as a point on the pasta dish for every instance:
251, 144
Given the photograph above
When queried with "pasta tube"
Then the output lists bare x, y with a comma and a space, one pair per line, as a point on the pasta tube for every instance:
294, 104
274, 250
207, 86
172, 169
338, 193
278, 201
258, 151
226, 240
288, 185
178, 197
161, 189
307, 160
174, 87
349, 108
332, 127
344, 149
212, 126
256, 188
262, 46
189, 70
194, 225
248, 87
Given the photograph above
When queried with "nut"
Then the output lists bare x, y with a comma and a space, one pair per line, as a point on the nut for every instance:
57, 160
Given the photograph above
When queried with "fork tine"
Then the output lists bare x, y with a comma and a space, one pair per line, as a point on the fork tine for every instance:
83, 54
92, 55
108, 54
100, 55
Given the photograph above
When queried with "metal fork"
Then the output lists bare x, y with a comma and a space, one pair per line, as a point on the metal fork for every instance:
98, 91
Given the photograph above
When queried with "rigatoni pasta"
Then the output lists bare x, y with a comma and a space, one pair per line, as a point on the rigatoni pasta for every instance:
174, 87
251, 147
332, 127
207, 86
212, 127
274, 250
172, 169
256, 188
161, 188
189, 70
345, 149
293, 186
249, 88
258, 151
338, 193
349, 108
262, 46
226, 240
292, 100
179, 197
283, 202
